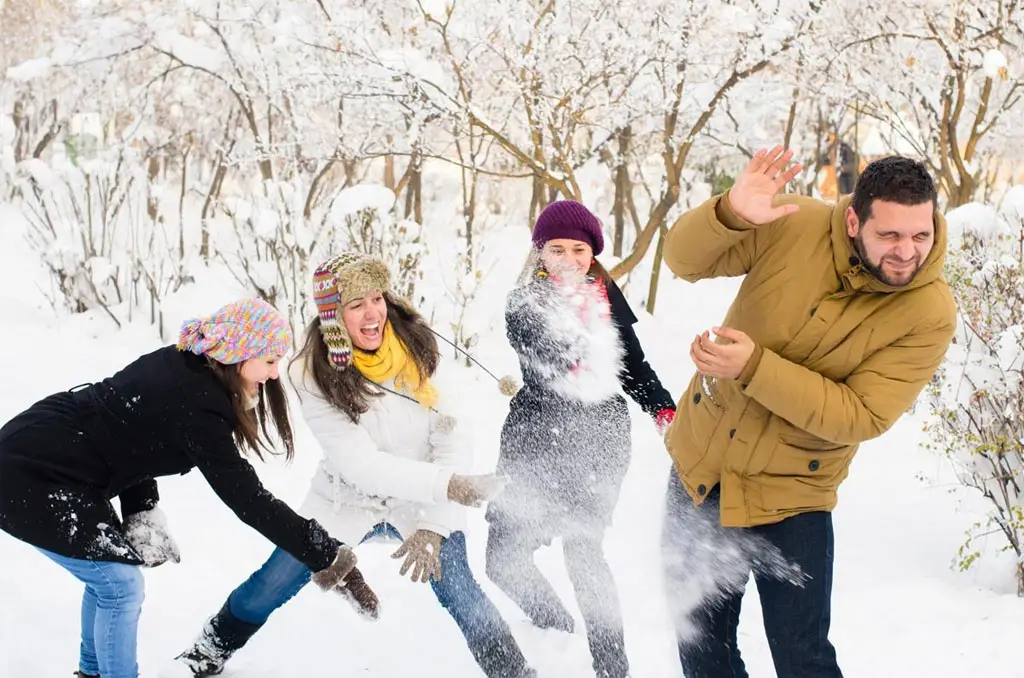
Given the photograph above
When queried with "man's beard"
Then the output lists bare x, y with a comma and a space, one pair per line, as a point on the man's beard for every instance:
875, 269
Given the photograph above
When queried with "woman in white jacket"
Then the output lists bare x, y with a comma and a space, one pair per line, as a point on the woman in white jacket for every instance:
390, 468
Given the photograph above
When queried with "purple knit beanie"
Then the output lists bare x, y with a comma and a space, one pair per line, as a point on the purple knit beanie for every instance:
568, 219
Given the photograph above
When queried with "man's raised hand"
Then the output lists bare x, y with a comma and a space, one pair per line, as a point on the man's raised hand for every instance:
752, 196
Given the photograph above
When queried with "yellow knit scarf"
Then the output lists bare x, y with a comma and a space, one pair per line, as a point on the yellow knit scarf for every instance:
392, 361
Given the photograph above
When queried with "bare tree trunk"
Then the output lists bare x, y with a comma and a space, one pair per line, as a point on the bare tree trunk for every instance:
818, 140
622, 187
791, 119
539, 199
181, 202
211, 198
414, 187
856, 141
51, 132
152, 172
469, 214
389, 166
22, 130
659, 255
314, 188
389, 171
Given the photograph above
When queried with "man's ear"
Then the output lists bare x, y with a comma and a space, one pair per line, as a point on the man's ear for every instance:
852, 223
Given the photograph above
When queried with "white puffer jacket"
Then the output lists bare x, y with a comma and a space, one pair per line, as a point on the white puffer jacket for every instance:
393, 466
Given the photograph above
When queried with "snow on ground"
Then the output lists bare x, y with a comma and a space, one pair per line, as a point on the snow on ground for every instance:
899, 610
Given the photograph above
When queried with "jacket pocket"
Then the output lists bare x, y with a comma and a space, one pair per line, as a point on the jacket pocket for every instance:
798, 480
694, 426
809, 461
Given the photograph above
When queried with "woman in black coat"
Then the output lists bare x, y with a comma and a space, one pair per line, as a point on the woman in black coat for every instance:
566, 441
179, 407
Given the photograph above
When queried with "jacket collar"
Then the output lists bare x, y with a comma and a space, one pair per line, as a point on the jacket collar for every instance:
853, 275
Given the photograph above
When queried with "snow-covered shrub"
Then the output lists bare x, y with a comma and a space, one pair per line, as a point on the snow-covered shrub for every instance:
279, 235
977, 398
94, 227
366, 215
463, 285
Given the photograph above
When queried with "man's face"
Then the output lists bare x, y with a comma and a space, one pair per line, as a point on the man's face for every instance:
894, 241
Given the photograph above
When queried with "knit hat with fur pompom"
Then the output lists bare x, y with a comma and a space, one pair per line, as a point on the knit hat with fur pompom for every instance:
340, 280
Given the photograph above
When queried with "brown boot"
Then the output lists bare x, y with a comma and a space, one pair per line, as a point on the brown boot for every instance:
358, 593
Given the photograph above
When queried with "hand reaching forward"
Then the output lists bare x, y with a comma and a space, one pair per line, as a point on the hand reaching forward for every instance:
473, 491
722, 361
422, 550
752, 196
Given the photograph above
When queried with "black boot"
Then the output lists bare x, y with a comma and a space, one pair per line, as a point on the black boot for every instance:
79, 674
223, 634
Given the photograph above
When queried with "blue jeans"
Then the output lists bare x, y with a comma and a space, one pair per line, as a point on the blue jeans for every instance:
487, 635
796, 615
111, 607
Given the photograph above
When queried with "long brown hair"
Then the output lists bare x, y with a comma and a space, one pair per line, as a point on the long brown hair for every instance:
271, 399
599, 272
347, 389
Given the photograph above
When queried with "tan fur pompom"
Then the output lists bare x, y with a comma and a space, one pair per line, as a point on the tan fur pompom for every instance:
508, 385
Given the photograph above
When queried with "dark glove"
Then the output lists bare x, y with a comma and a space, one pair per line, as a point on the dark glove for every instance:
358, 593
473, 491
422, 550
147, 532
333, 574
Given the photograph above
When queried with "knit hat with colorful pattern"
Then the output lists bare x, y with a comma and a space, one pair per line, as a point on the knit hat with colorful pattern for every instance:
249, 328
340, 280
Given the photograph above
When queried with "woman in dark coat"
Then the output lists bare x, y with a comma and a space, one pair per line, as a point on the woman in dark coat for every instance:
179, 407
566, 441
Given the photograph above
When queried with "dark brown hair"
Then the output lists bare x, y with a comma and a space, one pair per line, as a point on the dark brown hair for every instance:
903, 181
599, 272
271, 400
347, 389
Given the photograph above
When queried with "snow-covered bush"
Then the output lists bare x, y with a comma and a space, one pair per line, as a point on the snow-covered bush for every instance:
977, 398
278, 235
100, 234
367, 216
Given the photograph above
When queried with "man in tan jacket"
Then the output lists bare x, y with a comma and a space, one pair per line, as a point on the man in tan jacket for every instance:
841, 320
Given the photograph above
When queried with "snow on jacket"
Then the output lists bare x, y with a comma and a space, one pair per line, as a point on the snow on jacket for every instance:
392, 466
840, 357
566, 441
589, 358
63, 460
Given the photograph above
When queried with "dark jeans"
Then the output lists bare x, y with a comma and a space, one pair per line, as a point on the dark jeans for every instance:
511, 567
706, 571
487, 635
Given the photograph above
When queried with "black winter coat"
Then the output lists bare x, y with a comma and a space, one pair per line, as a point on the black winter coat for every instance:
567, 453
64, 459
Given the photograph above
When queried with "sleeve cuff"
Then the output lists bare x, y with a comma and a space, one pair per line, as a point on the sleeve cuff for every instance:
750, 369
728, 218
444, 477
442, 530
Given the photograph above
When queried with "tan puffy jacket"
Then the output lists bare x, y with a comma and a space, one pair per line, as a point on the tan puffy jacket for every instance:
841, 356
